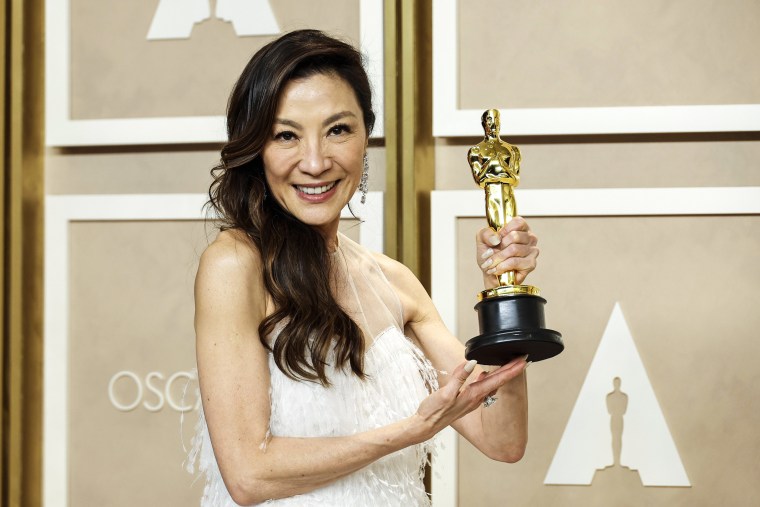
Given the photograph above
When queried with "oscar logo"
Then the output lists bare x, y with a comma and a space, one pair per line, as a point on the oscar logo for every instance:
511, 316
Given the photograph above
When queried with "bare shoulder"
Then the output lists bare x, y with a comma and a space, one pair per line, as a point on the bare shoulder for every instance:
230, 273
230, 259
397, 273
231, 250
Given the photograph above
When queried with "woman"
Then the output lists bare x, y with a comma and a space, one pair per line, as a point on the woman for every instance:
321, 365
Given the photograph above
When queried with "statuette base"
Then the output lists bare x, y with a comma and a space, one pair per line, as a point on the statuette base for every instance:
512, 326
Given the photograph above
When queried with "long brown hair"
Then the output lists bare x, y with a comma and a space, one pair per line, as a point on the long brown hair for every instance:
295, 271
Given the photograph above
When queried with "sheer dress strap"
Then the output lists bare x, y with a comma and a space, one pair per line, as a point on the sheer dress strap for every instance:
363, 291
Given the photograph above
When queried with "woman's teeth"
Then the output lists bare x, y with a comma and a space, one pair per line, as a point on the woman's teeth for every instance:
316, 190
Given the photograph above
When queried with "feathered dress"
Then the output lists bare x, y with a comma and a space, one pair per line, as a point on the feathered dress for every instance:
399, 378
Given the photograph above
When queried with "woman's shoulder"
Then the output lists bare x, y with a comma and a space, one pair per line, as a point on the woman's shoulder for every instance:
394, 270
409, 289
230, 276
232, 254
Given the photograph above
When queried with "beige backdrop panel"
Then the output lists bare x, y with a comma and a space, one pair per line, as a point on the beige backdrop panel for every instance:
574, 163
117, 73
132, 309
580, 53
688, 289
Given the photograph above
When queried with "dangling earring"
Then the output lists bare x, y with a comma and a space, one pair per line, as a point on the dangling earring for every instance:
364, 182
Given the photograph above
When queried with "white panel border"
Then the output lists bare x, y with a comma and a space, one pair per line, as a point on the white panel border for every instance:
449, 206
449, 120
60, 211
61, 130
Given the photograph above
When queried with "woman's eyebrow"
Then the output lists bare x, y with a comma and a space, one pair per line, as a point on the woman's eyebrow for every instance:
337, 116
289, 123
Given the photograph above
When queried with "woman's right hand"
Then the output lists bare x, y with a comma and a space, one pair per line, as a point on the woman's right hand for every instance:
458, 397
513, 248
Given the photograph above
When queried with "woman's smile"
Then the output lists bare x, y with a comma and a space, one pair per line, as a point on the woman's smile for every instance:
316, 192
313, 162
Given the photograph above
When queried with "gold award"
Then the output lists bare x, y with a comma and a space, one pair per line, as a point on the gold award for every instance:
511, 316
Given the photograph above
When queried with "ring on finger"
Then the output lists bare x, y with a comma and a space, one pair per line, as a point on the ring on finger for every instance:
489, 400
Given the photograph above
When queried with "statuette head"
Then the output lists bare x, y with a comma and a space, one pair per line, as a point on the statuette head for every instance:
491, 122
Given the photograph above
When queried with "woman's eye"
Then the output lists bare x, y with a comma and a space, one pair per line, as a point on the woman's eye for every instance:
285, 135
339, 129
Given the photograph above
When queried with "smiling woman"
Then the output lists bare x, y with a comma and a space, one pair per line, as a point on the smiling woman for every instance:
312, 394
283, 133
313, 162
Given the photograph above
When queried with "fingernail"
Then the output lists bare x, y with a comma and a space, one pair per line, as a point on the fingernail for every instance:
470, 365
494, 240
486, 264
487, 254
491, 271
525, 357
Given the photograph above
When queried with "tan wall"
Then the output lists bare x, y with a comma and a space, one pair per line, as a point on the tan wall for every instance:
697, 341
117, 73
583, 53
623, 161
686, 284
131, 309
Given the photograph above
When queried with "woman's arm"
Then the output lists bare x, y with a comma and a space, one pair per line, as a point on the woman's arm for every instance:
234, 380
501, 430
500, 434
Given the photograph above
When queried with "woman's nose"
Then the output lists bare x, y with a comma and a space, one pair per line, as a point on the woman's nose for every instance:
314, 160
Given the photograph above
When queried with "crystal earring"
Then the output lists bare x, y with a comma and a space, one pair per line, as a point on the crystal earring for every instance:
364, 182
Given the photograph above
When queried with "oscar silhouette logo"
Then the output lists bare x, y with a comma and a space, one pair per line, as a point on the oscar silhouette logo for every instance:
511, 316
175, 19
597, 441
617, 402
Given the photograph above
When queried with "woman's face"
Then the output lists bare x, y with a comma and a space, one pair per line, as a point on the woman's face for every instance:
314, 157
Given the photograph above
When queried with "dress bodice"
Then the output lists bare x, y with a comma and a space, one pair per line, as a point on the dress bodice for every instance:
398, 378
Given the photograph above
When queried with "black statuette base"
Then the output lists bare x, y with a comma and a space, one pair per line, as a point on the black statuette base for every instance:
512, 326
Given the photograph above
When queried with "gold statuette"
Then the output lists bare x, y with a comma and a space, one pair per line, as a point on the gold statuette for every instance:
495, 167
510, 316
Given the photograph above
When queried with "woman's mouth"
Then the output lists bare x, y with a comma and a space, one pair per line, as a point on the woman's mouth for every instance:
316, 190
316, 193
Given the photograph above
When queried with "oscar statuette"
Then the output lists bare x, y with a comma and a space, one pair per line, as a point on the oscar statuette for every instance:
511, 316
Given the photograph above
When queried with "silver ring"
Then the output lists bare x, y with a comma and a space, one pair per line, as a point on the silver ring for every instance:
489, 400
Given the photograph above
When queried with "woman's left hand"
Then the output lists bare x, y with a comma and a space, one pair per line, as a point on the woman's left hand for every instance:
513, 248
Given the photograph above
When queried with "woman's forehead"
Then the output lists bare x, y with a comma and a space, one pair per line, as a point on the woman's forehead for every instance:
317, 92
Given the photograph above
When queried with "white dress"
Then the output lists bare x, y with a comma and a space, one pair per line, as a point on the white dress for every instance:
399, 378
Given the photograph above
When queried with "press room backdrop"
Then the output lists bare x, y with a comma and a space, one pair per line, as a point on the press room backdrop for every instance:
684, 279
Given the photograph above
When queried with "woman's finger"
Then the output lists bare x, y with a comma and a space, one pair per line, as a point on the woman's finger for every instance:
521, 264
487, 237
513, 250
460, 375
517, 223
467, 368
